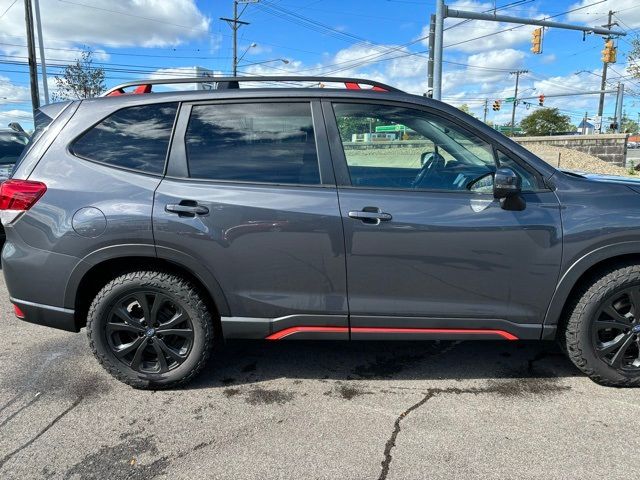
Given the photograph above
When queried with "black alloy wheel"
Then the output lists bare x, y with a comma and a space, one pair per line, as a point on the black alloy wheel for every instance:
149, 332
150, 329
602, 331
616, 330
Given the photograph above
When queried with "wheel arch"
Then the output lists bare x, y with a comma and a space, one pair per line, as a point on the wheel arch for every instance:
583, 270
98, 268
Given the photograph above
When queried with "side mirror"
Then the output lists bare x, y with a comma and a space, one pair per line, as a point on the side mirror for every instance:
506, 183
507, 186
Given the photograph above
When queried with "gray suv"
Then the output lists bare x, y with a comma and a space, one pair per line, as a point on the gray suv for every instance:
164, 221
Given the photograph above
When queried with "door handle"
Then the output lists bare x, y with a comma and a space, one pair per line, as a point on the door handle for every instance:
187, 208
371, 215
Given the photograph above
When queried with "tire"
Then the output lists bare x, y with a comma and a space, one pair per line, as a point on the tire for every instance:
602, 333
150, 330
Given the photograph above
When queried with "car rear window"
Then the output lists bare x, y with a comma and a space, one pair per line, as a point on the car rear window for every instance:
134, 137
11, 146
253, 142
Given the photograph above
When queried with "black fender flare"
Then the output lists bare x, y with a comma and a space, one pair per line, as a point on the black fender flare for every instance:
180, 259
578, 268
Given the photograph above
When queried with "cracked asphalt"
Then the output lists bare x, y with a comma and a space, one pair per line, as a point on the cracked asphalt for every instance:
327, 410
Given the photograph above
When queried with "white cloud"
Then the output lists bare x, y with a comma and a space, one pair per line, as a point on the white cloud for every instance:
24, 117
595, 15
11, 93
68, 24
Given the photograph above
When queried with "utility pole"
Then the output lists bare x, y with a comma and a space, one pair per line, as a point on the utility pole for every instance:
605, 65
43, 64
432, 38
235, 23
619, 102
486, 107
437, 49
31, 52
584, 123
517, 73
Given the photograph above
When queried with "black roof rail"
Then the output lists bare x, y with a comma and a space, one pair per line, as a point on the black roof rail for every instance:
146, 86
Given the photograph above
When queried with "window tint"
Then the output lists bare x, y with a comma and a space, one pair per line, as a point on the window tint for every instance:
396, 147
253, 142
11, 146
134, 137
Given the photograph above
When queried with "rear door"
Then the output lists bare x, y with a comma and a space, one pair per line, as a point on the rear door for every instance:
428, 248
250, 198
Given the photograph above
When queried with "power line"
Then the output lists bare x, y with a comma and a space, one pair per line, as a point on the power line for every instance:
8, 8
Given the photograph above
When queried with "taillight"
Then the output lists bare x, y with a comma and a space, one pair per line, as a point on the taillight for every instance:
19, 313
20, 195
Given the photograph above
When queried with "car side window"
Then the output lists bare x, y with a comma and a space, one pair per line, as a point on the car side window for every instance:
253, 142
396, 147
134, 137
530, 182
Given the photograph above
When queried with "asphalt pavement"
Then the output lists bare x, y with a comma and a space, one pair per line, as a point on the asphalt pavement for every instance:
326, 410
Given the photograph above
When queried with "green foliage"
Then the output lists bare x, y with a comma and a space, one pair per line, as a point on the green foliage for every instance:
633, 58
632, 168
629, 125
465, 108
351, 125
80, 79
546, 121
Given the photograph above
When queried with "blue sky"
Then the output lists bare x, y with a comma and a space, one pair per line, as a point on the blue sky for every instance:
382, 39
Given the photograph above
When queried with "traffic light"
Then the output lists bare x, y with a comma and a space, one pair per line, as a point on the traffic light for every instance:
496, 105
536, 41
541, 100
610, 52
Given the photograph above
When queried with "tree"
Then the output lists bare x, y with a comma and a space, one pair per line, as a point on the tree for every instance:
80, 80
465, 108
353, 125
633, 58
629, 125
546, 121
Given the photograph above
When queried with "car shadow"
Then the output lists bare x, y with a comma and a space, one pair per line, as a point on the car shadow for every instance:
247, 362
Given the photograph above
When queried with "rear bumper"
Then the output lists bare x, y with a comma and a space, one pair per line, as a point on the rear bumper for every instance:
55, 317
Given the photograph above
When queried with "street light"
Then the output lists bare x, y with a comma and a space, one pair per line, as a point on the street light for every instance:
253, 45
283, 60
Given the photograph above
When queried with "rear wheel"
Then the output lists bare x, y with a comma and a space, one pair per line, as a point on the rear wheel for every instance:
150, 329
602, 335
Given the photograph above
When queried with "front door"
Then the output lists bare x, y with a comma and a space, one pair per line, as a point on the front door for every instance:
428, 248
250, 197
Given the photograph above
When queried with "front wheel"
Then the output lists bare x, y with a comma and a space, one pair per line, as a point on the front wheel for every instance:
602, 335
150, 330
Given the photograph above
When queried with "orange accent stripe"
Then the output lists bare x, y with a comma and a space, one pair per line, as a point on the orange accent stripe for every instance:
464, 331
468, 331
291, 330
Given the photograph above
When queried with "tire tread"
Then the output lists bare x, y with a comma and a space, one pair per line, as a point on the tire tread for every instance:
174, 285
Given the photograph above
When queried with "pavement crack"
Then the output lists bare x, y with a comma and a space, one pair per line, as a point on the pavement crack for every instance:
519, 387
10, 455
396, 430
10, 402
17, 412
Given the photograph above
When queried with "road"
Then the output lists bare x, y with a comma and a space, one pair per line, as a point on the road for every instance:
474, 410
